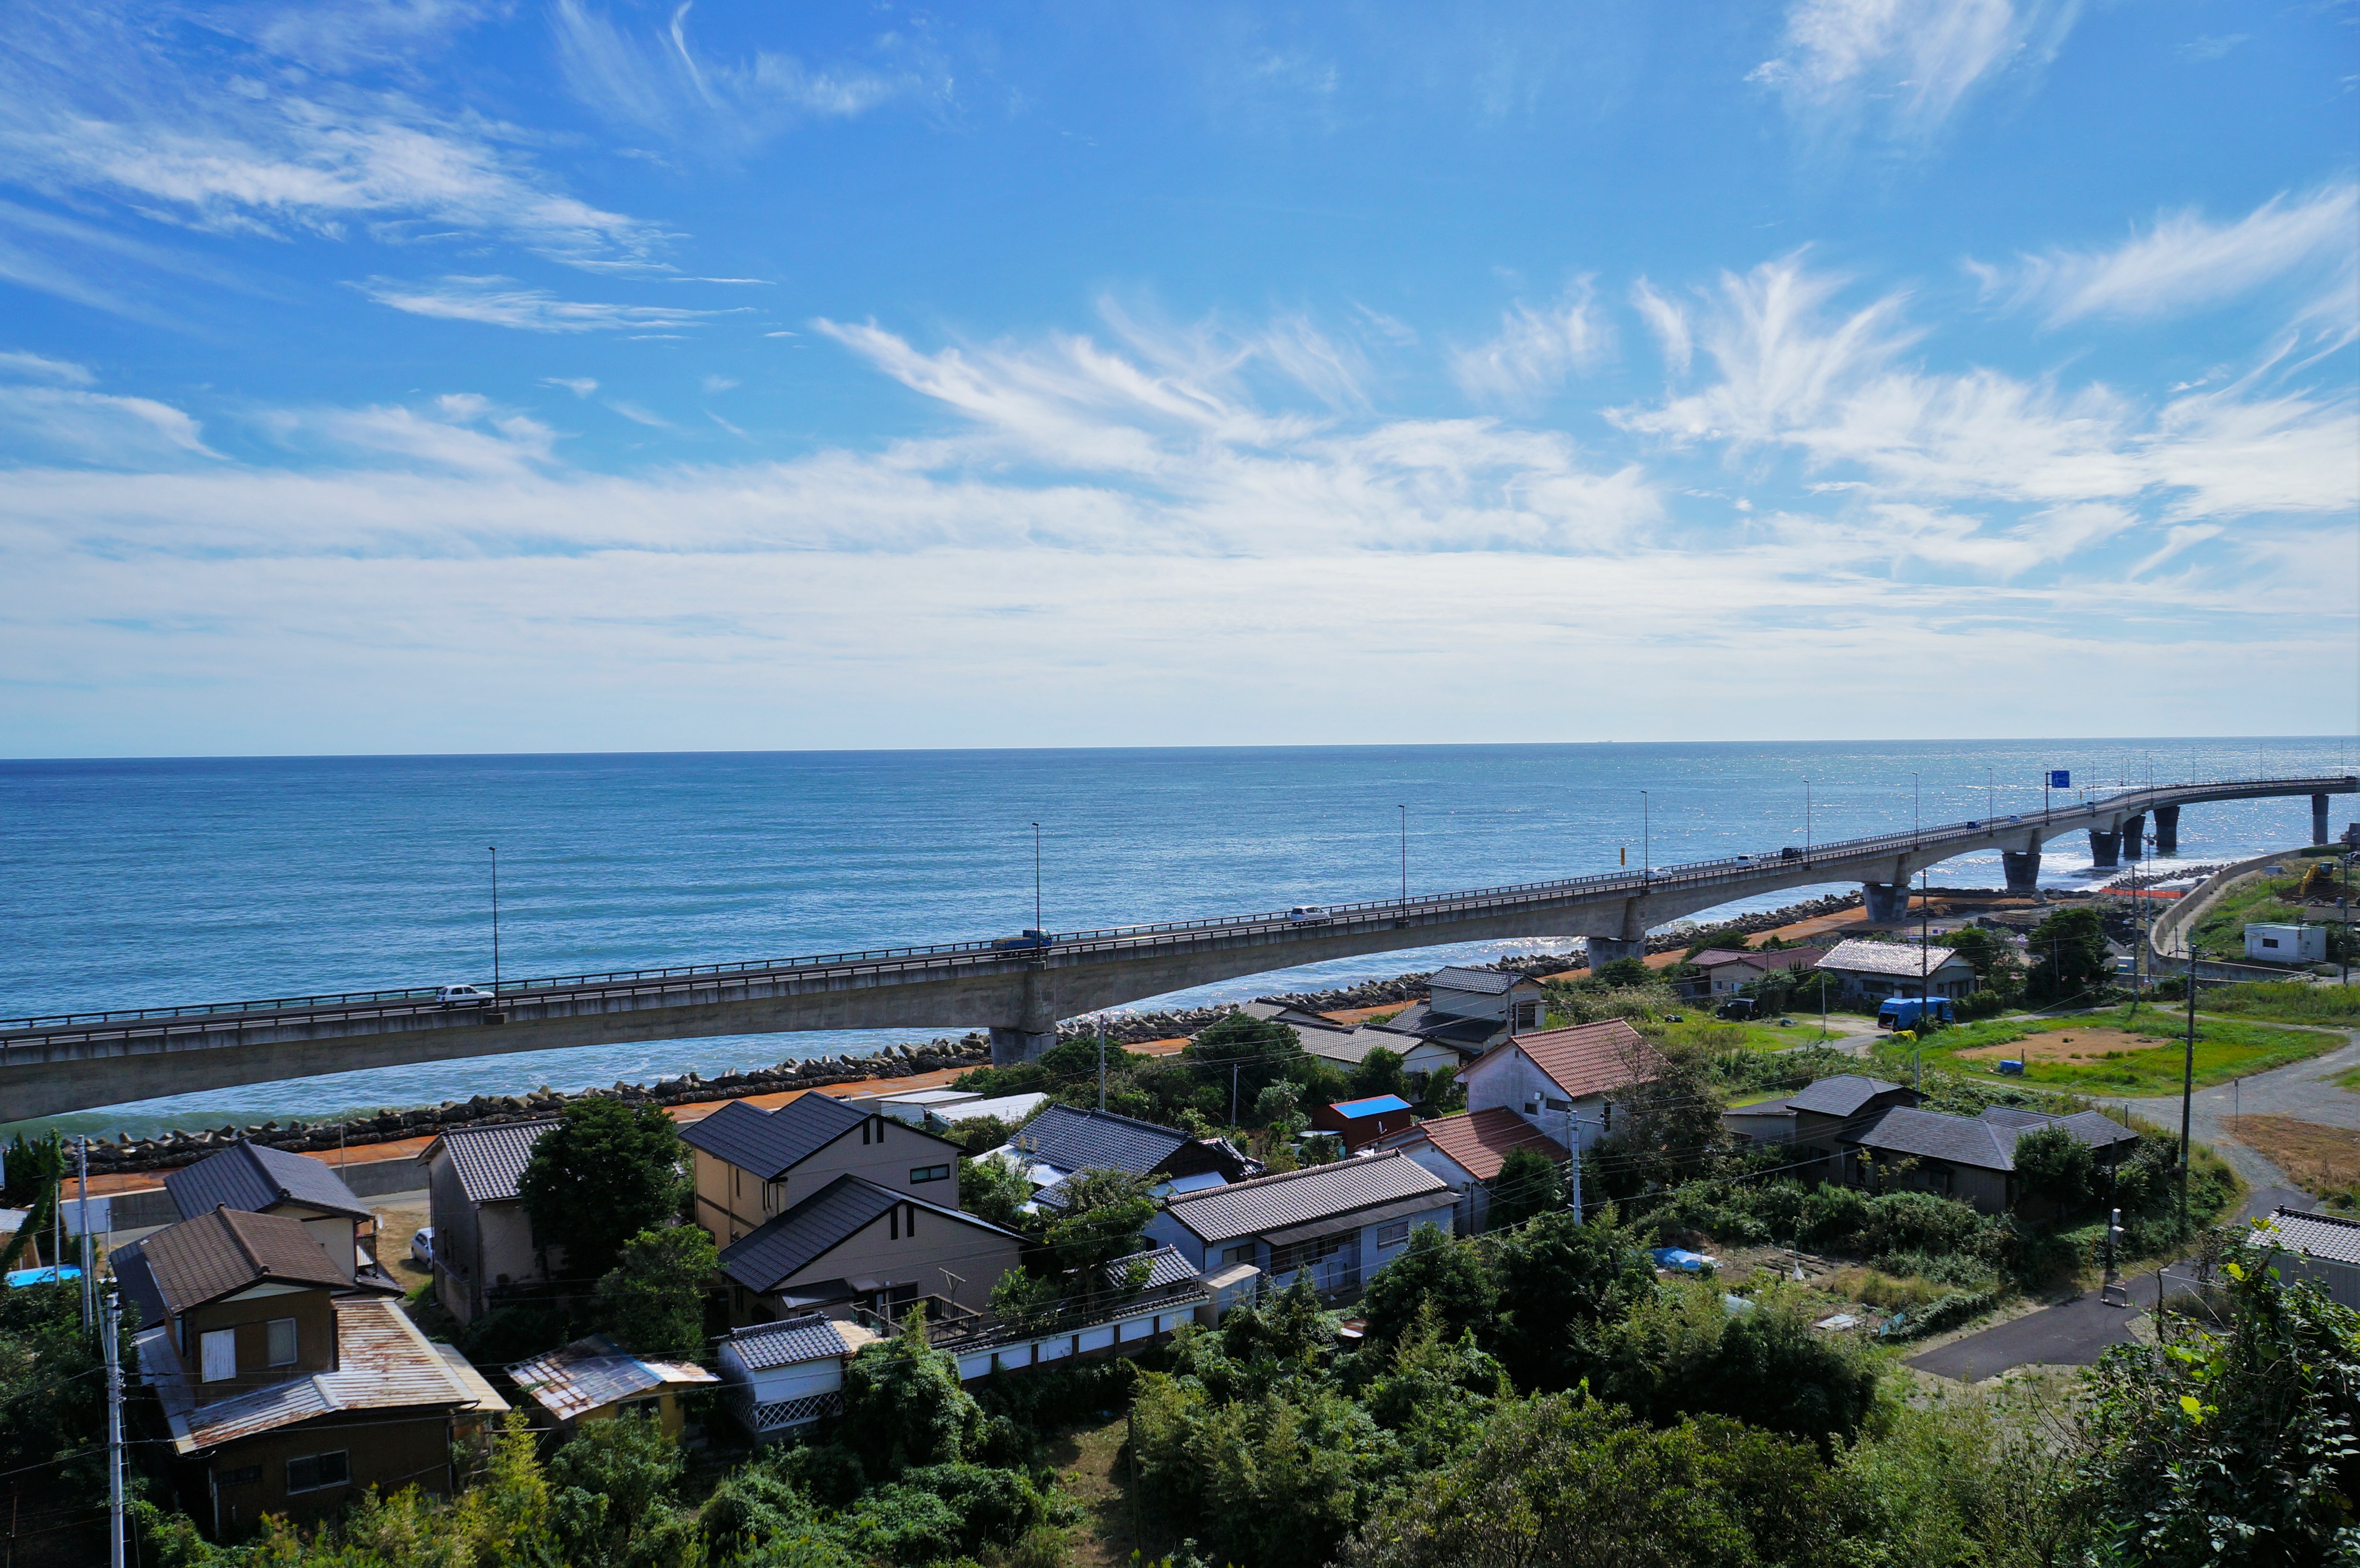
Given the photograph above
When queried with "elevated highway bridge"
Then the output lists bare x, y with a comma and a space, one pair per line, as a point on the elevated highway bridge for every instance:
74, 1061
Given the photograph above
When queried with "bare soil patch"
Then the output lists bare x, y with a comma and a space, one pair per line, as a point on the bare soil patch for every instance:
2068, 1045
2323, 1159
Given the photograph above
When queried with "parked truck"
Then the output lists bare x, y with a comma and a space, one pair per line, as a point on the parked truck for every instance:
1907, 1013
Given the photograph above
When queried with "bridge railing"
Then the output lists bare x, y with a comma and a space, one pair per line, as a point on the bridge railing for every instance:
1691, 874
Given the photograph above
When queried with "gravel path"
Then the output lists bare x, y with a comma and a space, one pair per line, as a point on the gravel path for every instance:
2303, 1091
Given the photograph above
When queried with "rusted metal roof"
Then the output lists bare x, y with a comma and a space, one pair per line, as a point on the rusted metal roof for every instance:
591, 1374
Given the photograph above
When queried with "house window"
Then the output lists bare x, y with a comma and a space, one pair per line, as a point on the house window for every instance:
218, 1355
929, 1173
1393, 1234
1241, 1253
244, 1475
282, 1342
317, 1470
1297, 1254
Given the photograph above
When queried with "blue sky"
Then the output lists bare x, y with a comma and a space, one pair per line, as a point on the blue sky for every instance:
588, 376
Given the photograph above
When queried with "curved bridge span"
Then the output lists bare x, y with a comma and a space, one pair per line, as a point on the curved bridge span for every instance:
75, 1061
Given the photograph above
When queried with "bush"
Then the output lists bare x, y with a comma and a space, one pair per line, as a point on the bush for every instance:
904, 1405
1684, 1352
1435, 1272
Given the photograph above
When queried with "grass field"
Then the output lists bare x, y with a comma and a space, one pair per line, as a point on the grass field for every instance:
2290, 1002
2322, 1160
2123, 1050
1715, 1035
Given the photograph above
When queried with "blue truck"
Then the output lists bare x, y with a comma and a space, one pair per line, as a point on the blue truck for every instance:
1904, 1012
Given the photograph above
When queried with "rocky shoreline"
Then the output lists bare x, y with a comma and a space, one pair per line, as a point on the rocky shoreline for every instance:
167, 1150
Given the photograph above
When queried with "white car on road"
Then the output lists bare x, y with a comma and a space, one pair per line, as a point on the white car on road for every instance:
463, 996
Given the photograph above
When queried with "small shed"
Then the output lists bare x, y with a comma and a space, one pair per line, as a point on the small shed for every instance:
594, 1378
785, 1376
2321, 1249
2287, 944
1362, 1122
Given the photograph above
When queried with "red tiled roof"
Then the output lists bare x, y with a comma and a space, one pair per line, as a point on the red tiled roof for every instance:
1589, 1059
1478, 1142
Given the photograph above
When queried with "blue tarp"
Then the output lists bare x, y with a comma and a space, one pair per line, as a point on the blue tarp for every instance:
1680, 1257
43, 1276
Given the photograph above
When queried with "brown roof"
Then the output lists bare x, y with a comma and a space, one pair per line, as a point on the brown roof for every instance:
1589, 1059
217, 1254
1478, 1142
1765, 959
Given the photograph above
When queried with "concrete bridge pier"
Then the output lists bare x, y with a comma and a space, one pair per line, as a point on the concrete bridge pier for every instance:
1012, 1046
2023, 870
2134, 838
1606, 949
2319, 820
2167, 830
1888, 902
2105, 849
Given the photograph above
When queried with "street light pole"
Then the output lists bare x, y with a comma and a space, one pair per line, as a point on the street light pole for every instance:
1913, 807
1037, 926
496, 919
1647, 839
1405, 859
1806, 822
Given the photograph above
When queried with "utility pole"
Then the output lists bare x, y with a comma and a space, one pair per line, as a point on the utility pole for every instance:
1101, 1061
1925, 973
2187, 1093
496, 919
1573, 1164
1405, 859
1233, 1093
111, 1326
1037, 926
81, 1225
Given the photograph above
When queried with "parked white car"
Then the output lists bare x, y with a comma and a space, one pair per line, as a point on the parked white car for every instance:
421, 1247
463, 996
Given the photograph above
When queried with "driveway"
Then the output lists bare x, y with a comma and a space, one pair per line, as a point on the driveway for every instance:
2071, 1333
2303, 1091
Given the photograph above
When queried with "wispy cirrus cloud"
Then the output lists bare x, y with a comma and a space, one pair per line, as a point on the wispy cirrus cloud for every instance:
497, 301
1913, 62
1535, 350
45, 406
2182, 262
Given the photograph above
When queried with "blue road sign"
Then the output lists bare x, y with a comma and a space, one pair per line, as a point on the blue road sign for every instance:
2059, 779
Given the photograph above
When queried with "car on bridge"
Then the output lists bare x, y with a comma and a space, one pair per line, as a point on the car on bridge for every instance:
463, 996
1309, 915
1026, 939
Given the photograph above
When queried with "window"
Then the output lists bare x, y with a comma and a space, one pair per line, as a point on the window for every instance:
282, 1342
1241, 1253
315, 1470
2270, 941
1393, 1234
1303, 1254
244, 1475
218, 1353
929, 1173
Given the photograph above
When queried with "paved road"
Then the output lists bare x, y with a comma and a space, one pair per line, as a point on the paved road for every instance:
2071, 1333
2303, 1091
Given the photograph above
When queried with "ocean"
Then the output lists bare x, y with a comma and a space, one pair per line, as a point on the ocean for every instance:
150, 882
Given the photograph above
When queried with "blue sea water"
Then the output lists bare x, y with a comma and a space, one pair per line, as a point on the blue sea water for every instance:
149, 882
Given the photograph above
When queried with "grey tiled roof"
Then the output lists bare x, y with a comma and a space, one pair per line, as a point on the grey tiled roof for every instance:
1841, 1095
490, 1159
1986, 1141
796, 1240
1480, 982
767, 1144
2092, 1127
810, 1337
1164, 1267
2327, 1237
1899, 960
248, 1176
1075, 1140
1273, 1203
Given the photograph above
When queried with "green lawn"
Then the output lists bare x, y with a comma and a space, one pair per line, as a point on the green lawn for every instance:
2225, 1048
1716, 1035
2286, 1002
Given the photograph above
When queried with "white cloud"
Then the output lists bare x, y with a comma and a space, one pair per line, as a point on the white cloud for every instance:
35, 367
93, 426
1535, 350
503, 302
1670, 325
2184, 263
639, 416
716, 385
1913, 59
580, 386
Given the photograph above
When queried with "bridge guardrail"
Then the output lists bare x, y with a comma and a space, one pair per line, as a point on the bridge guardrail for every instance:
1689, 874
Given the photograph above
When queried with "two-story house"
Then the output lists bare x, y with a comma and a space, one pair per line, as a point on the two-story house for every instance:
484, 1240
1063, 1141
279, 1389
265, 1181
859, 1250
1563, 1082
1472, 1010
754, 1165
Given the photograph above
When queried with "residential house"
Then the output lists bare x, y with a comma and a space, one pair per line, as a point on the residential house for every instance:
754, 1165
783, 1376
1362, 1122
859, 1249
1972, 1159
1469, 1150
1065, 1141
1472, 1010
1871, 971
1814, 1121
2321, 1249
483, 1238
1722, 973
596, 1380
1346, 1046
280, 1388
1340, 1223
938, 1108
1563, 1082
263, 1181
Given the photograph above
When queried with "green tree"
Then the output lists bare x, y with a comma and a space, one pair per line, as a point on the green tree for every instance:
1528, 1184
1434, 1273
996, 1190
2236, 1448
612, 1489
1667, 1125
1625, 971
1250, 1053
1380, 1072
1567, 1480
1279, 1109
1683, 1351
1559, 1278
903, 1406
1984, 949
653, 1298
1105, 1215
2069, 956
606, 1172
2054, 1167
